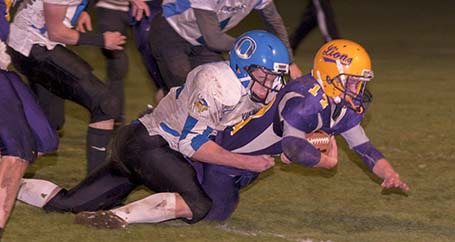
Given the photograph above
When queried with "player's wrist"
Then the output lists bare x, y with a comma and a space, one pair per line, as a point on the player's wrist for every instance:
90, 38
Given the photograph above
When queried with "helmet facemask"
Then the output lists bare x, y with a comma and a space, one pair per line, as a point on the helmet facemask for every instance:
353, 91
265, 83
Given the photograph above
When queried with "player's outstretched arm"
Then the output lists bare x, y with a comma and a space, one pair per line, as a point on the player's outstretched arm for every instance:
384, 170
210, 152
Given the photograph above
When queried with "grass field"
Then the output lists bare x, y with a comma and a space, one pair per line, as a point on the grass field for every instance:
412, 44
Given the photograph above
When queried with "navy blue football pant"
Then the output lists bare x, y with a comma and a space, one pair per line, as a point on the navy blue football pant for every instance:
223, 184
136, 158
24, 128
174, 55
66, 75
141, 31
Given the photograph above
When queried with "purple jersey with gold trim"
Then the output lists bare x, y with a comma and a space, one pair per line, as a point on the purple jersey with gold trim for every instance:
300, 108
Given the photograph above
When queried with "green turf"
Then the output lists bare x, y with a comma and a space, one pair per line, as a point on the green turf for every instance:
412, 46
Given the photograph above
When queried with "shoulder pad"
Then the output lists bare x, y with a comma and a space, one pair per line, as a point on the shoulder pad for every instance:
218, 81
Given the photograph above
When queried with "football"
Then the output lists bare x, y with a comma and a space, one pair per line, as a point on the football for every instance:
320, 140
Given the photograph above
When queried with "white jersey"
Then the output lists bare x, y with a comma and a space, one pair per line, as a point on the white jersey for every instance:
180, 14
28, 27
211, 100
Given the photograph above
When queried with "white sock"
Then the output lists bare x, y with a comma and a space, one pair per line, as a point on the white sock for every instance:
152, 209
37, 192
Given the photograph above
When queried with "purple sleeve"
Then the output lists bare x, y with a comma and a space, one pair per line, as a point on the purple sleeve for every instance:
301, 114
369, 154
300, 151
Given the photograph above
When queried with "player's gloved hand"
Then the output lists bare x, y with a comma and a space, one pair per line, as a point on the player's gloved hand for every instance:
258, 163
84, 23
114, 40
393, 180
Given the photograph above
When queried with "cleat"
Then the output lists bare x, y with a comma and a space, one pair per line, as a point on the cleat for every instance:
100, 220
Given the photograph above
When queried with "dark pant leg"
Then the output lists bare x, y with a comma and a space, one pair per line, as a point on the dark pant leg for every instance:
162, 169
116, 60
44, 134
66, 75
329, 21
307, 23
223, 191
202, 55
15, 133
52, 105
104, 188
141, 31
170, 51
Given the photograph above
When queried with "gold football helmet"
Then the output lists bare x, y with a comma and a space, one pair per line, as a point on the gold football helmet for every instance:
343, 68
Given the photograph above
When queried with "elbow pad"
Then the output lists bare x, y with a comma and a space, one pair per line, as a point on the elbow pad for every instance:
369, 154
300, 151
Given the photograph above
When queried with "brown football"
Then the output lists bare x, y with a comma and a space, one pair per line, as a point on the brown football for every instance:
320, 140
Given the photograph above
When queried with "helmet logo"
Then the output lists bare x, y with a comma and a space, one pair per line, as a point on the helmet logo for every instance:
245, 47
331, 54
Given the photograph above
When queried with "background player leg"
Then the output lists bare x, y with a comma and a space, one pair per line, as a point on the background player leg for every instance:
116, 60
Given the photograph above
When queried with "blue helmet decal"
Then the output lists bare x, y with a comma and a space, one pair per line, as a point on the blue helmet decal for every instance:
245, 47
259, 48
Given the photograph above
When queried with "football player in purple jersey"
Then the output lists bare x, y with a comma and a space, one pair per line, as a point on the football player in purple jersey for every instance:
24, 130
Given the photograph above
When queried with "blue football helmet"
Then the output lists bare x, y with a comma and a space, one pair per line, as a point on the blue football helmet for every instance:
259, 50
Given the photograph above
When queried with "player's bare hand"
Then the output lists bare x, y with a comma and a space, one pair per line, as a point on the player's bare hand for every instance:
333, 148
393, 181
294, 71
285, 159
114, 40
258, 163
329, 159
84, 23
139, 8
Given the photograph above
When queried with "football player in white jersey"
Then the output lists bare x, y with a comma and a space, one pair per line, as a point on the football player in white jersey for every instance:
191, 33
154, 150
39, 32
